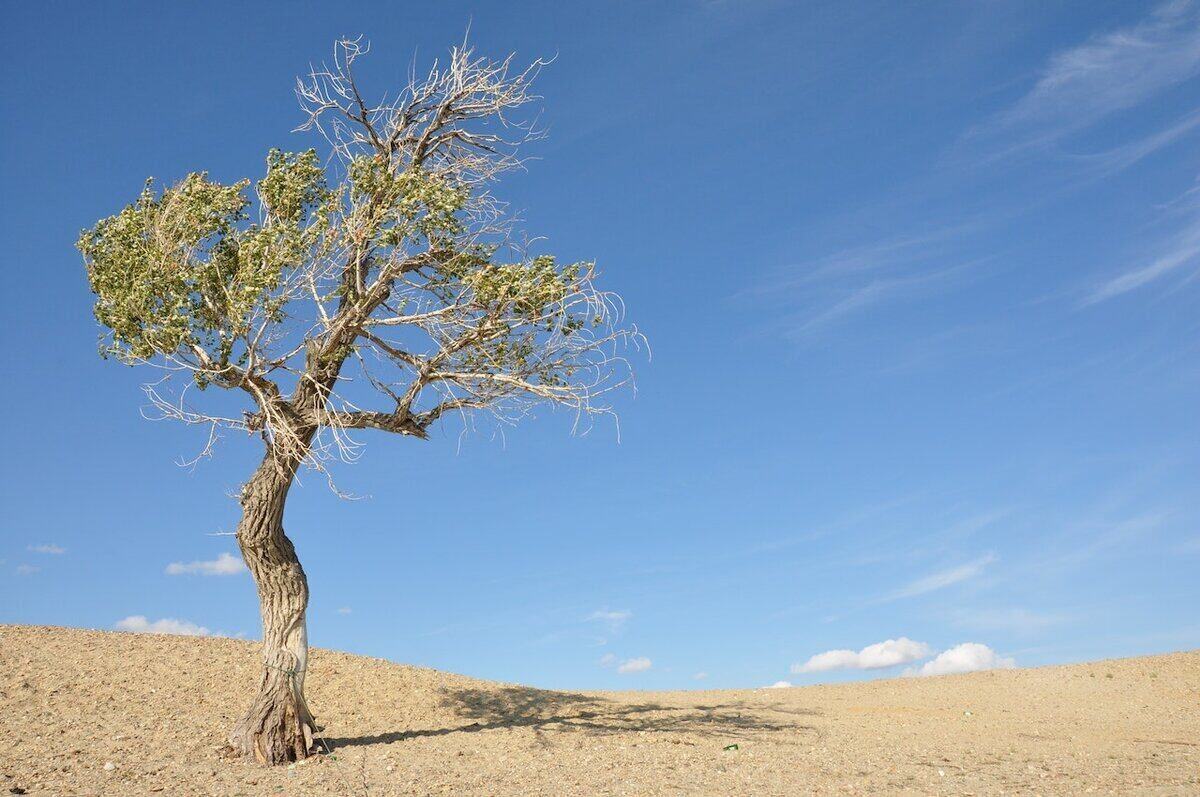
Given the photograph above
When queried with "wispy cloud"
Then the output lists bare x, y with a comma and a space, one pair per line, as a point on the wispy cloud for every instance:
1117, 159
1014, 620
224, 565
1079, 87
1075, 90
1108, 73
1182, 250
1095, 538
47, 548
888, 653
967, 657
854, 298
873, 257
613, 620
942, 579
27, 570
138, 624
779, 685
818, 292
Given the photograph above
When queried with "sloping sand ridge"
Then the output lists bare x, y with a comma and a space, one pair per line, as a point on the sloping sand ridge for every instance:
158, 709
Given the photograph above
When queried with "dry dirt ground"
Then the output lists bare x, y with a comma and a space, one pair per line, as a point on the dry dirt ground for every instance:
158, 707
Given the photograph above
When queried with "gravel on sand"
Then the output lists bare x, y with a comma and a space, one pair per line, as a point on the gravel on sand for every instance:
101, 713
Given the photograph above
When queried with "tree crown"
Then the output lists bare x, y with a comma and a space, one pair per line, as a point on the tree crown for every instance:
386, 269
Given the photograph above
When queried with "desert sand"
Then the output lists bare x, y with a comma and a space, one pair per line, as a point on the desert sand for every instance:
92, 712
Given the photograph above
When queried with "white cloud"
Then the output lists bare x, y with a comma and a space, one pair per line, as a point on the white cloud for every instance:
607, 660
942, 578
27, 570
49, 548
140, 625
700, 676
888, 653
779, 685
613, 620
224, 565
967, 657
344, 610
640, 664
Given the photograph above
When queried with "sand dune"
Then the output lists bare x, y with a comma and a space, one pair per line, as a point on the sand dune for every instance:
158, 707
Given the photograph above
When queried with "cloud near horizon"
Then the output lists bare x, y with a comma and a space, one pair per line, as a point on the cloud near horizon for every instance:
888, 653
47, 548
224, 565
966, 657
138, 624
639, 664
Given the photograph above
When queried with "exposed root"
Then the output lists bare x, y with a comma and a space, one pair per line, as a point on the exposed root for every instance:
278, 727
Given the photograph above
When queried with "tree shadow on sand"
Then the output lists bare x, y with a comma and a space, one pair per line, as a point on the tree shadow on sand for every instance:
566, 712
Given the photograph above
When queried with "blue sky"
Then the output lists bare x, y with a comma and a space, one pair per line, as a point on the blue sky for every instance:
921, 283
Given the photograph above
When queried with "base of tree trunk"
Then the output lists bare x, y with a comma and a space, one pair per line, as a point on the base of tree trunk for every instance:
277, 728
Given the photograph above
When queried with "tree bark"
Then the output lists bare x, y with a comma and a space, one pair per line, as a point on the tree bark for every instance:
278, 727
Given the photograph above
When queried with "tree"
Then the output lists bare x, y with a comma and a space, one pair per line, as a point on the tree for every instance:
385, 272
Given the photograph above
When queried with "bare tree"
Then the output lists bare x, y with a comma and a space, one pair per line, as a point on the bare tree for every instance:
388, 273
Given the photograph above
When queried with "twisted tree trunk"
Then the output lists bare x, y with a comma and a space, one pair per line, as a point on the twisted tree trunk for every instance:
278, 727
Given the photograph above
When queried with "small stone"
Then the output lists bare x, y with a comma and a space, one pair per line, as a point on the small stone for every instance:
109, 766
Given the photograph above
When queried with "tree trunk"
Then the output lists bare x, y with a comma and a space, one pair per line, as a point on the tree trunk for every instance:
278, 727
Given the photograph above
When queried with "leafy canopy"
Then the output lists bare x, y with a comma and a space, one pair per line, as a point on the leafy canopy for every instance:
182, 268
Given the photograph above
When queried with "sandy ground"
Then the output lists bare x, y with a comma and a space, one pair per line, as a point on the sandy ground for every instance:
158, 708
